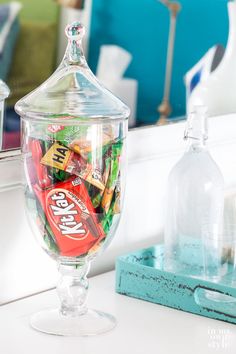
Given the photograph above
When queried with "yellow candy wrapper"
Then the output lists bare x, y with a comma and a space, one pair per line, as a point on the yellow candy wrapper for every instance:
92, 176
111, 185
58, 156
84, 147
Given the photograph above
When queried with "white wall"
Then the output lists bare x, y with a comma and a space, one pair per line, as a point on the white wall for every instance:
25, 269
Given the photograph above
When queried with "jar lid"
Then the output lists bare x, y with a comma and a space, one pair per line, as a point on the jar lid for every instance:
72, 91
4, 90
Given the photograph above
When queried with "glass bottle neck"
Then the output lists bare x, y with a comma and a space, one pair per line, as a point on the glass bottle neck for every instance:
196, 144
196, 130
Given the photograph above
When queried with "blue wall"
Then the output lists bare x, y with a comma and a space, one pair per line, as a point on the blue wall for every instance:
141, 27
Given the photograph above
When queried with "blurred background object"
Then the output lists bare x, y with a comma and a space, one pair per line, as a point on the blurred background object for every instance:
217, 90
29, 54
200, 72
4, 93
35, 44
201, 24
75, 4
112, 64
164, 108
9, 30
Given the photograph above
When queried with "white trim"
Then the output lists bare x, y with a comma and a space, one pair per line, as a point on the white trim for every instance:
145, 143
161, 141
10, 170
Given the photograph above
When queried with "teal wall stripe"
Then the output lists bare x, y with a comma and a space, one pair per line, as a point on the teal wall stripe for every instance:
141, 27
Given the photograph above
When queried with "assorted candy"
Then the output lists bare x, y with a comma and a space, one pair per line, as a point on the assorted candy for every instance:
74, 186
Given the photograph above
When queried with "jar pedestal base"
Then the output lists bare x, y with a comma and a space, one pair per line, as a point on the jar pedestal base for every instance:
91, 323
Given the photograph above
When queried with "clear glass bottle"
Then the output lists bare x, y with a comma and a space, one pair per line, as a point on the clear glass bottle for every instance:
194, 201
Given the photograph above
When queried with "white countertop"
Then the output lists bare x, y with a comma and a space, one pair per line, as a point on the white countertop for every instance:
142, 327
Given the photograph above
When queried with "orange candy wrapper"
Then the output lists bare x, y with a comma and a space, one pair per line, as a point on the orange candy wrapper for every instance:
62, 158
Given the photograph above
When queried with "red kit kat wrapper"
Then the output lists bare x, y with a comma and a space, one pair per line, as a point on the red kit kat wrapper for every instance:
71, 215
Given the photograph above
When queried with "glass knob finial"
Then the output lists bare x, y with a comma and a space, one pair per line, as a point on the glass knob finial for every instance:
75, 31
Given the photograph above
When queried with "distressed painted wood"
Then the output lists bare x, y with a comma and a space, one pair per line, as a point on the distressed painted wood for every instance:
141, 275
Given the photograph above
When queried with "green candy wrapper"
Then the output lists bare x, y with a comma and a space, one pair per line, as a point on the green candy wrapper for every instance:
59, 175
113, 176
63, 133
99, 153
98, 198
40, 219
107, 220
66, 134
114, 208
49, 238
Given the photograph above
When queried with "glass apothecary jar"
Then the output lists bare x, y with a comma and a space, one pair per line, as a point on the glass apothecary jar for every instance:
73, 143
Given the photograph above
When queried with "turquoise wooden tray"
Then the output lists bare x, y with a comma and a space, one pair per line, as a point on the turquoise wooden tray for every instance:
141, 275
